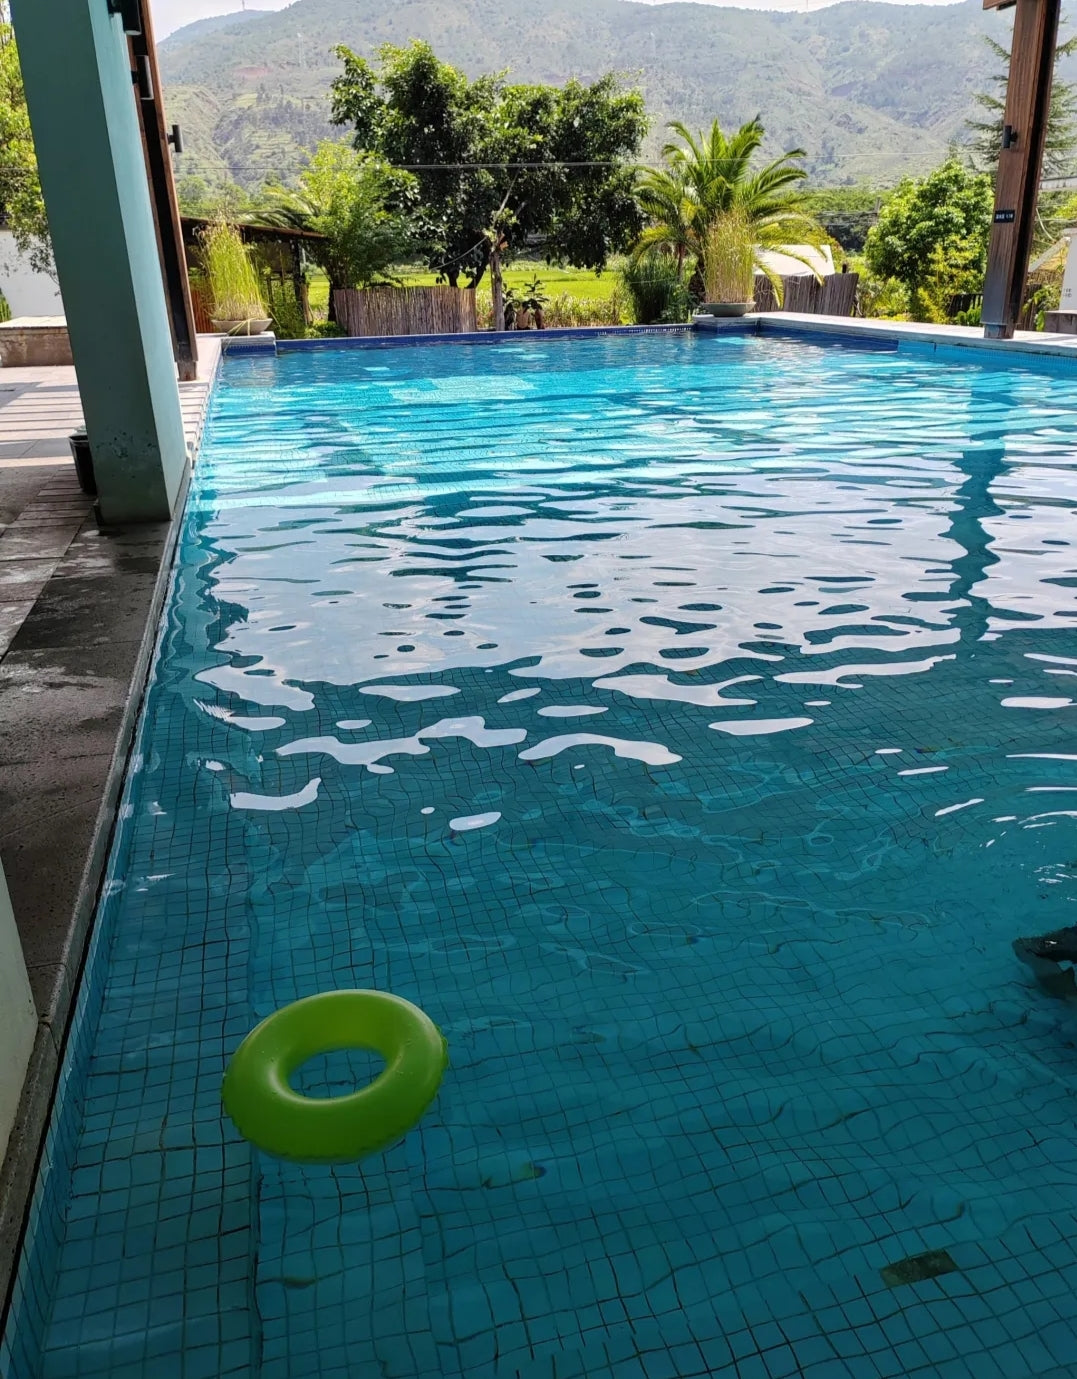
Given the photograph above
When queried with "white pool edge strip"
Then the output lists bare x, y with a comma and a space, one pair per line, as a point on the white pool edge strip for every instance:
965, 337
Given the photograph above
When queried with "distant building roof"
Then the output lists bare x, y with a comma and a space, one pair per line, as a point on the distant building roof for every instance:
1053, 260
251, 233
797, 259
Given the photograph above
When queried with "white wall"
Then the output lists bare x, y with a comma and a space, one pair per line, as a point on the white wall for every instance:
18, 1020
28, 293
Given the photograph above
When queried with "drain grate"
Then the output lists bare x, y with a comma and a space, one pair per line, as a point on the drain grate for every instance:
917, 1268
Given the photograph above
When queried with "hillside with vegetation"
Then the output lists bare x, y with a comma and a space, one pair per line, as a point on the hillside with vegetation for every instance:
872, 91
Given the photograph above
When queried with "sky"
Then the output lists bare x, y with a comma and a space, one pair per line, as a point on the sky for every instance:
173, 14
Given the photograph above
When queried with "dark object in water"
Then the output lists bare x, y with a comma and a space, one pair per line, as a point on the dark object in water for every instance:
1044, 956
917, 1268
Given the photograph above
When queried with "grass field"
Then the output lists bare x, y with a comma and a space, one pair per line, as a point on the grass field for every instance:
574, 281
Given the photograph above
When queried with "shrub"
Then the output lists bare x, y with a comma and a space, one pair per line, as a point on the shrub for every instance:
286, 311
5, 310
326, 330
655, 289
565, 310
881, 298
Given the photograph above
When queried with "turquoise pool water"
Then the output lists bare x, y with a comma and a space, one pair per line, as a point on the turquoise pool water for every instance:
688, 725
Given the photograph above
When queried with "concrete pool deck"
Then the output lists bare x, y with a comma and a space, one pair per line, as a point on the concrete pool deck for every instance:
78, 605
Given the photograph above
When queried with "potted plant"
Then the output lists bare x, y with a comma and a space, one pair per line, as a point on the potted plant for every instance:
728, 265
238, 305
535, 301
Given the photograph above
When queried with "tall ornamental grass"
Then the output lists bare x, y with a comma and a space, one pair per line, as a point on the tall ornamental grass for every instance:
233, 283
729, 258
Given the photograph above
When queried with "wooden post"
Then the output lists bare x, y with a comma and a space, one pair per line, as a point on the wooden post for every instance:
1020, 164
166, 212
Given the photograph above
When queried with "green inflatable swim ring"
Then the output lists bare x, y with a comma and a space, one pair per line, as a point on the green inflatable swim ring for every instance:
266, 1110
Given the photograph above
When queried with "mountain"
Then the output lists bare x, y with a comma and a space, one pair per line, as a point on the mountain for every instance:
870, 90
198, 28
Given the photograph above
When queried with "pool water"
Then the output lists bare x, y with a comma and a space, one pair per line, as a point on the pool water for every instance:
689, 725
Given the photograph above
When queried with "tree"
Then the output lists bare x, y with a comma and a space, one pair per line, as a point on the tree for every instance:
932, 236
709, 179
1053, 208
527, 161
362, 206
213, 200
845, 213
21, 203
985, 143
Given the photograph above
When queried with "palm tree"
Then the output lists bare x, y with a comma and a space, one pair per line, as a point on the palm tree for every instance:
707, 180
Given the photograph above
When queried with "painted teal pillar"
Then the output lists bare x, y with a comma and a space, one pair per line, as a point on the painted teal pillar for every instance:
93, 175
18, 1019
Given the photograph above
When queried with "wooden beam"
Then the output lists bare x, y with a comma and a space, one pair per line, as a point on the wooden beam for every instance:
1028, 104
166, 211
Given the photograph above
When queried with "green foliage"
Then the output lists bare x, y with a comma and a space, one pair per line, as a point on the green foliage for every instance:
212, 200
230, 275
655, 289
845, 213
534, 296
566, 311
325, 330
985, 142
5, 310
881, 298
362, 206
932, 237
709, 181
21, 203
1043, 298
487, 153
286, 311
955, 270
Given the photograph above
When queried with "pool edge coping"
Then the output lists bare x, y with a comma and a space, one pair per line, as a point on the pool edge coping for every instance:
904, 332
852, 329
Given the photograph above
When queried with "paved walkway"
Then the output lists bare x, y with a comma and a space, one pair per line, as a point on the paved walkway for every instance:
75, 605
42, 510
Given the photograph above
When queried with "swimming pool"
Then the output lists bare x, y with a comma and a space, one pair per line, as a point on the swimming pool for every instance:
685, 723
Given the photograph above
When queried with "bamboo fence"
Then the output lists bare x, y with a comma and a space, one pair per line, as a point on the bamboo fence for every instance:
406, 310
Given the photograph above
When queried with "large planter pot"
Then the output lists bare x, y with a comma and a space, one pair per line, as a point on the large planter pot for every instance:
80, 451
725, 308
254, 326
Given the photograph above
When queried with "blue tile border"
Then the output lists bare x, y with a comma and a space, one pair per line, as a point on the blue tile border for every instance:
484, 337
870, 339
249, 344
